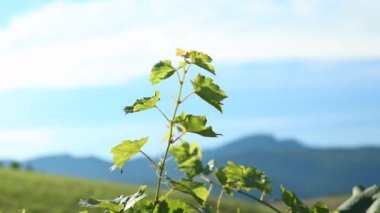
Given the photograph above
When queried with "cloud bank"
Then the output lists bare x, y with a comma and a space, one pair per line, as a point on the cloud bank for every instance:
66, 44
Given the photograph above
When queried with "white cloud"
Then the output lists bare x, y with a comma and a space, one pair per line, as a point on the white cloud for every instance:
105, 42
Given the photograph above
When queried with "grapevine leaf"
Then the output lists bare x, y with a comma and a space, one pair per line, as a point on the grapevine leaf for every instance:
197, 190
238, 177
188, 158
293, 202
103, 204
180, 52
210, 92
201, 59
143, 103
116, 205
195, 124
160, 71
172, 206
124, 151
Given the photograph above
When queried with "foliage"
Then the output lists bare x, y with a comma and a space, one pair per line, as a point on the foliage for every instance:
200, 179
40, 193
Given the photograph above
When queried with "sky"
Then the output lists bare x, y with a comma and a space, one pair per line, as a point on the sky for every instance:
304, 69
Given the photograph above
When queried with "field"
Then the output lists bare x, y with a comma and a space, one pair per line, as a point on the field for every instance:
42, 193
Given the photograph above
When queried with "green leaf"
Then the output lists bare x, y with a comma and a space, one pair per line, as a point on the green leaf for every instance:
197, 190
143, 103
195, 124
188, 158
293, 202
210, 92
124, 151
116, 205
102, 204
162, 70
173, 206
237, 177
201, 59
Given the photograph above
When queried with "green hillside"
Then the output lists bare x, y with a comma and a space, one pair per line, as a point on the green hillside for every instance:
42, 193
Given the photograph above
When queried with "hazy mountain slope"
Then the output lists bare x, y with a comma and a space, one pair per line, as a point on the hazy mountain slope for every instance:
308, 171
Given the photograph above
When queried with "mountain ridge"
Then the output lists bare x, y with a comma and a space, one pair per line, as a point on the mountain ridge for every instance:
308, 171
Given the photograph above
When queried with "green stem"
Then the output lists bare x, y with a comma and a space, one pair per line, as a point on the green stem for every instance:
162, 113
161, 167
150, 159
260, 201
219, 200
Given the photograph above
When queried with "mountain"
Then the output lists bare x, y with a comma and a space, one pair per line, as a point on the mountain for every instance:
308, 171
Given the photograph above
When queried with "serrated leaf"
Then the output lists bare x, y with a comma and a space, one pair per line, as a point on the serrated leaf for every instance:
126, 150
210, 92
237, 177
160, 71
293, 202
173, 206
201, 60
102, 204
143, 103
188, 158
116, 205
195, 124
197, 190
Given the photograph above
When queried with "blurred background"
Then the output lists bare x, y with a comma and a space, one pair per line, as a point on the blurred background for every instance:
300, 75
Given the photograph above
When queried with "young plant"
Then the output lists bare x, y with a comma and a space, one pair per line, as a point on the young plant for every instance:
200, 179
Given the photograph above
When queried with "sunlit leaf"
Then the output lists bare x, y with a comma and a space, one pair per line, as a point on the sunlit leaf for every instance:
293, 202
237, 177
143, 103
197, 190
188, 158
195, 124
160, 71
180, 52
102, 204
202, 60
116, 205
173, 206
210, 92
127, 149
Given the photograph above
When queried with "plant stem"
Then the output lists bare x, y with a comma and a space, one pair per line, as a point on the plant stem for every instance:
162, 113
150, 159
161, 167
260, 201
219, 200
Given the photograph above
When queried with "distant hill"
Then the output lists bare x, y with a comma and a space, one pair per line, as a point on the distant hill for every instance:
310, 172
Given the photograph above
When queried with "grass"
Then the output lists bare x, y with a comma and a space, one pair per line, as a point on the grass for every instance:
39, 193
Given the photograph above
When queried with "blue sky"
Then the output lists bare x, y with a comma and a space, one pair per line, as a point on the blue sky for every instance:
302, 69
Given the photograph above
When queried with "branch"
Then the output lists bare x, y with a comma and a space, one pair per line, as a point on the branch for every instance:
150, 159
260, 201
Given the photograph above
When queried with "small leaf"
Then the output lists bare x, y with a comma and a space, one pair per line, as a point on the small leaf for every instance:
127, 149
143, 103
102, 204
238, 177
195, 124
162, 70
197, 190
188, 158
116, 205
173, 206
202, 60
205, 88
180, 52
293, 202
